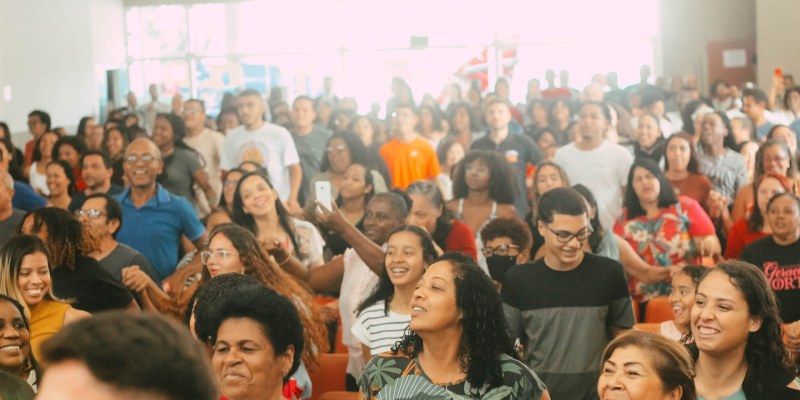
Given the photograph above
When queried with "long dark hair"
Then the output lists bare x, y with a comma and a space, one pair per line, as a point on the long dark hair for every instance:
67, 237
358, 152
765, 352
692, 167
597, 228
37, 153
436, 116
385, 288
73, 141
33, 364
474, 119
247, 221
82, 127
666, 196
14, 164
368, 181
756, 220
125, 140
179, 133
484, 331
501, 179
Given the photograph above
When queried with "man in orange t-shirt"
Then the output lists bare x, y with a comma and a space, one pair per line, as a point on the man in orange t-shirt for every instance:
408, 157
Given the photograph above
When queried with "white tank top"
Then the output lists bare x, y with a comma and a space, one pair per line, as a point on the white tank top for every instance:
37, 180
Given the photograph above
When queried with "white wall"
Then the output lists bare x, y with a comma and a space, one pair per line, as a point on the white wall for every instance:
687, 26
48, 53
777, 39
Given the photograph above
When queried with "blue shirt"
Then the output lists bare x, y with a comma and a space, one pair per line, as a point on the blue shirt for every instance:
25, 198
763, 130
155, 229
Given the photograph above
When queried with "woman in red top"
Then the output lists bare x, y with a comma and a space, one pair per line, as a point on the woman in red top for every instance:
429, 212
682, 171
753, 228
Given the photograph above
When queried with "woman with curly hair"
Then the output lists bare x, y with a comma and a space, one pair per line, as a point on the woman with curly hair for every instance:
76, 276
738, 348
457, 344
483, 189
234, 249
383, 317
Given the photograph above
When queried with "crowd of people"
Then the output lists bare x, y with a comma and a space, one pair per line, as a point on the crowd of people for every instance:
469, 248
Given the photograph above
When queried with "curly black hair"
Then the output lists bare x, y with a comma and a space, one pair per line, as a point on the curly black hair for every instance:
502, 188
207, 295
73, 141
512, 228
275, 313
384, 290
765, 352
485, 335
67, 238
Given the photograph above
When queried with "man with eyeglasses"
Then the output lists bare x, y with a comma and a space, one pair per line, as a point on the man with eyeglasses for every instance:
563, 306
154, 219
267, 144
97, 171
408, 157
208, 143
103, 216
518, 150
309, 139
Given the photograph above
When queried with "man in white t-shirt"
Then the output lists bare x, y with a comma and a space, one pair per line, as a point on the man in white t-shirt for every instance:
596, 163
206, 142
267, 144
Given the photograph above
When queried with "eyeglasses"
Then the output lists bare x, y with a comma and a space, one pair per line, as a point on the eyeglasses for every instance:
219, 256
133, 159
566, 237
480, 171
192, 110
91, 213
230, 183
501, 250
775, 159
340, 148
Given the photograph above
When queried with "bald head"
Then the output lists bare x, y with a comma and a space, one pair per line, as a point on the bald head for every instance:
143, 144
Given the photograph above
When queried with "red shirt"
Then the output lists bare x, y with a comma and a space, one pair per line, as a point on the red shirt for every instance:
739, 237
461, 239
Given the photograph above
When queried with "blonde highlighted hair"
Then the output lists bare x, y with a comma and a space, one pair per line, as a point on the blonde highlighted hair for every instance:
11, 255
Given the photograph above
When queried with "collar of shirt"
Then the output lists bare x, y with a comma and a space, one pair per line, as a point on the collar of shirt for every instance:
162, 196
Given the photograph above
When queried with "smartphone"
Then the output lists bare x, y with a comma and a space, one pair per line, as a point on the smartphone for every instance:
324, 193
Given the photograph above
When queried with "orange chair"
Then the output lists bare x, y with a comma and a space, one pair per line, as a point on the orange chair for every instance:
340, 348
330, 376
648, 327
340, 396
658, 310
636, 311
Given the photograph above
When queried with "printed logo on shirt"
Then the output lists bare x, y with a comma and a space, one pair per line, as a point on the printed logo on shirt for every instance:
414, 153
785, 278
512, 156
254, 151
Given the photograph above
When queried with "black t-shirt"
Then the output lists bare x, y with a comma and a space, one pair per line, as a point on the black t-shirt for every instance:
79, 198
92, 288
781, 264
519, 150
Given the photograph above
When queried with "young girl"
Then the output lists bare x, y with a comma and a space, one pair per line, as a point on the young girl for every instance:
681, 296
384, 316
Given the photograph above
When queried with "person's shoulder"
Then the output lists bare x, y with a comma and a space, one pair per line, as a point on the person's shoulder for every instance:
567, 150
515, 373
699, 179
739, 226
524, 270
235, 133
17, 214
374, 310
460, 227
600, 264
126, 251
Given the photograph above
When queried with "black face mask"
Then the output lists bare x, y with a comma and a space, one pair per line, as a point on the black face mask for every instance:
498, 265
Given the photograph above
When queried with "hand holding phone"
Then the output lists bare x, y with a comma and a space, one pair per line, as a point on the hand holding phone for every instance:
324, 193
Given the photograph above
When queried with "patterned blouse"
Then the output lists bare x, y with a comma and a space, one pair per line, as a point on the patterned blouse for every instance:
664, 240
390, 376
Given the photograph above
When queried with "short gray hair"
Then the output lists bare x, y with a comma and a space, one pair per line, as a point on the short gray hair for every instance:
149, 141
430, 191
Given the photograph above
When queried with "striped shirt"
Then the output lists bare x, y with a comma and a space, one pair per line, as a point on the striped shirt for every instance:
727, 173
378, 330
